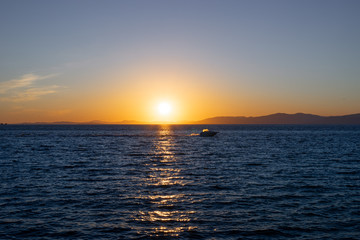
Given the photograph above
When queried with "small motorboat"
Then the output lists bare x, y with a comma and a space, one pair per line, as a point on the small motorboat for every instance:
207, 133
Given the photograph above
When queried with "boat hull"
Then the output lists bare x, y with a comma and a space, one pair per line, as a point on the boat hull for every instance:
208, 134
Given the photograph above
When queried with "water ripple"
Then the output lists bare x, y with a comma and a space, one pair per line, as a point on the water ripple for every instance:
165, 182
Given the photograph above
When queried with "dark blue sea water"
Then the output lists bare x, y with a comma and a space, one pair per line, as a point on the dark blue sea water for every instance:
159, 182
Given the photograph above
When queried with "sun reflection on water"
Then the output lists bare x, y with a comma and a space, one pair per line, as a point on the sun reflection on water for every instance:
165, 214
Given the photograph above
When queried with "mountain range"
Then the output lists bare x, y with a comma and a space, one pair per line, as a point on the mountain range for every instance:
283, 118
277, 118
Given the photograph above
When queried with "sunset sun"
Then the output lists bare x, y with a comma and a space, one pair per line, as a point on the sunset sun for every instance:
164, 108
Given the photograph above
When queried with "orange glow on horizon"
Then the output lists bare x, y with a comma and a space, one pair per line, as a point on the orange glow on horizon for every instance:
158, 95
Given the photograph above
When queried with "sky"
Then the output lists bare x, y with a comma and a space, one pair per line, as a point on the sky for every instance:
83, 60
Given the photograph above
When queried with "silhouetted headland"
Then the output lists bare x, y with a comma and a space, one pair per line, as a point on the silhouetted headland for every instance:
283, 118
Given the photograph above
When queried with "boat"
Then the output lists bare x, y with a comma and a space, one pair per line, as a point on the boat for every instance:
207, 133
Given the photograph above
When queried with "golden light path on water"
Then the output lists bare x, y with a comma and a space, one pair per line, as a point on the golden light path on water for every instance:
167, 216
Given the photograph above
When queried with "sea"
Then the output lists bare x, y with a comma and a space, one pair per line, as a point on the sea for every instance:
167, 182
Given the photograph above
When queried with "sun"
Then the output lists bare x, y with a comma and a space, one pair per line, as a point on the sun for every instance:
164, 108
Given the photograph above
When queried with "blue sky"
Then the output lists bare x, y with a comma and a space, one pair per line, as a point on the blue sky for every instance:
286, 56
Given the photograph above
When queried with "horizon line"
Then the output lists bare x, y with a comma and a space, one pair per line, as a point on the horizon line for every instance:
137, 122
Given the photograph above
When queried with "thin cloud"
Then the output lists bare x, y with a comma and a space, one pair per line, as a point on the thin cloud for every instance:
25, 80
30, 94
25, 89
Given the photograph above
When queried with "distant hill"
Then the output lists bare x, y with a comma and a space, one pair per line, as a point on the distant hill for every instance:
283, 118
277, 118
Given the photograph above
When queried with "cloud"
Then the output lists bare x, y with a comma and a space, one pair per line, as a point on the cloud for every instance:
30, 94
24, 81
22, 89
